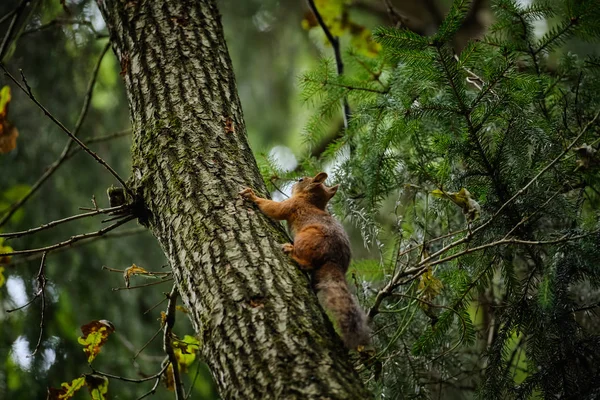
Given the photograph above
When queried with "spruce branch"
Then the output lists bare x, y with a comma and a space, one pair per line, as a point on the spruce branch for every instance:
335, 44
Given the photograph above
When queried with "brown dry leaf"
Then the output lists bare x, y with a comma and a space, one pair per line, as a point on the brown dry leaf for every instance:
94, 336
169, 378
8, 132
133, 270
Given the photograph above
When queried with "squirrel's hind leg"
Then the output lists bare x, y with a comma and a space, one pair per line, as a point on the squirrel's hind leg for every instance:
288, 248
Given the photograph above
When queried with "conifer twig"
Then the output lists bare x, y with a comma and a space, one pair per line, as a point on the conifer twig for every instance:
335, 43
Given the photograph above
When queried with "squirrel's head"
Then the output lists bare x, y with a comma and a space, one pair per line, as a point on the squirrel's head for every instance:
314, 190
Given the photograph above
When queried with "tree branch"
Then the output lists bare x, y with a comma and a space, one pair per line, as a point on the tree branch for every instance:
51, 169
62, 221
27, 90
168, 342
335, 43
72, 239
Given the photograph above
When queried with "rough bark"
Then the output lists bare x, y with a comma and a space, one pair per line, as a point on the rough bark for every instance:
262, 330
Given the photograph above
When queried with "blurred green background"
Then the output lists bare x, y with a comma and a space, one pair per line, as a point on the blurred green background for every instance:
271, 45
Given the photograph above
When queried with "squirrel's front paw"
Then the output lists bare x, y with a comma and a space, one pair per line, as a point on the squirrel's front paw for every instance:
248, 194
287, 248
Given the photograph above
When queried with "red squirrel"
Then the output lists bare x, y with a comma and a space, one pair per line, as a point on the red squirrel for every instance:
322, 248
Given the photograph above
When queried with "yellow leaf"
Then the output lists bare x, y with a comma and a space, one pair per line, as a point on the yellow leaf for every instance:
2, 278
97, 385
66, 390
133, 270
5, 97
182, 309
463, 199
185, 351
94, 336
3, 250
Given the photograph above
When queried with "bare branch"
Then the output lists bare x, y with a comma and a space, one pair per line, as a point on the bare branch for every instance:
41, 281
61, 22
162, 280
72, 239
27, 89
16, 14
62, 221
51, 169
168, 342
122, 378
85, 242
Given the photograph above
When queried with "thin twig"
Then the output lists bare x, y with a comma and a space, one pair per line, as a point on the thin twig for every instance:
61, 22
137, 353
41, 281
16, 14
72, 239
163, 280
153, 390
8, 14
27, 89
397, 19
62, 221
335, 43
85, 242
51, 169
122, 378
168, 342
189, 393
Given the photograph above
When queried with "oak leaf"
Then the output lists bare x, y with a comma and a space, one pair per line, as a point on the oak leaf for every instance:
97, 386
185, 351
67, 390
94, 336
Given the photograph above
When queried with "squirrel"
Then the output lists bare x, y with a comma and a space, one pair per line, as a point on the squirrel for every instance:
322, 248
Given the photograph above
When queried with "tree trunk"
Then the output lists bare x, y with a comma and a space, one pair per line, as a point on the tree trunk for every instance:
262, 331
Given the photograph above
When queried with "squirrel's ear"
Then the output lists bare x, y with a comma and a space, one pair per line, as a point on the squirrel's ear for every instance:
332, 191
320, 177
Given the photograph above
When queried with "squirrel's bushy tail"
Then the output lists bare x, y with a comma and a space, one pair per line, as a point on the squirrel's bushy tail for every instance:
335, 297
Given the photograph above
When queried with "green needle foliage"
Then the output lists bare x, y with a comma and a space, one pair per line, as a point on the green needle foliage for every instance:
512, 314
